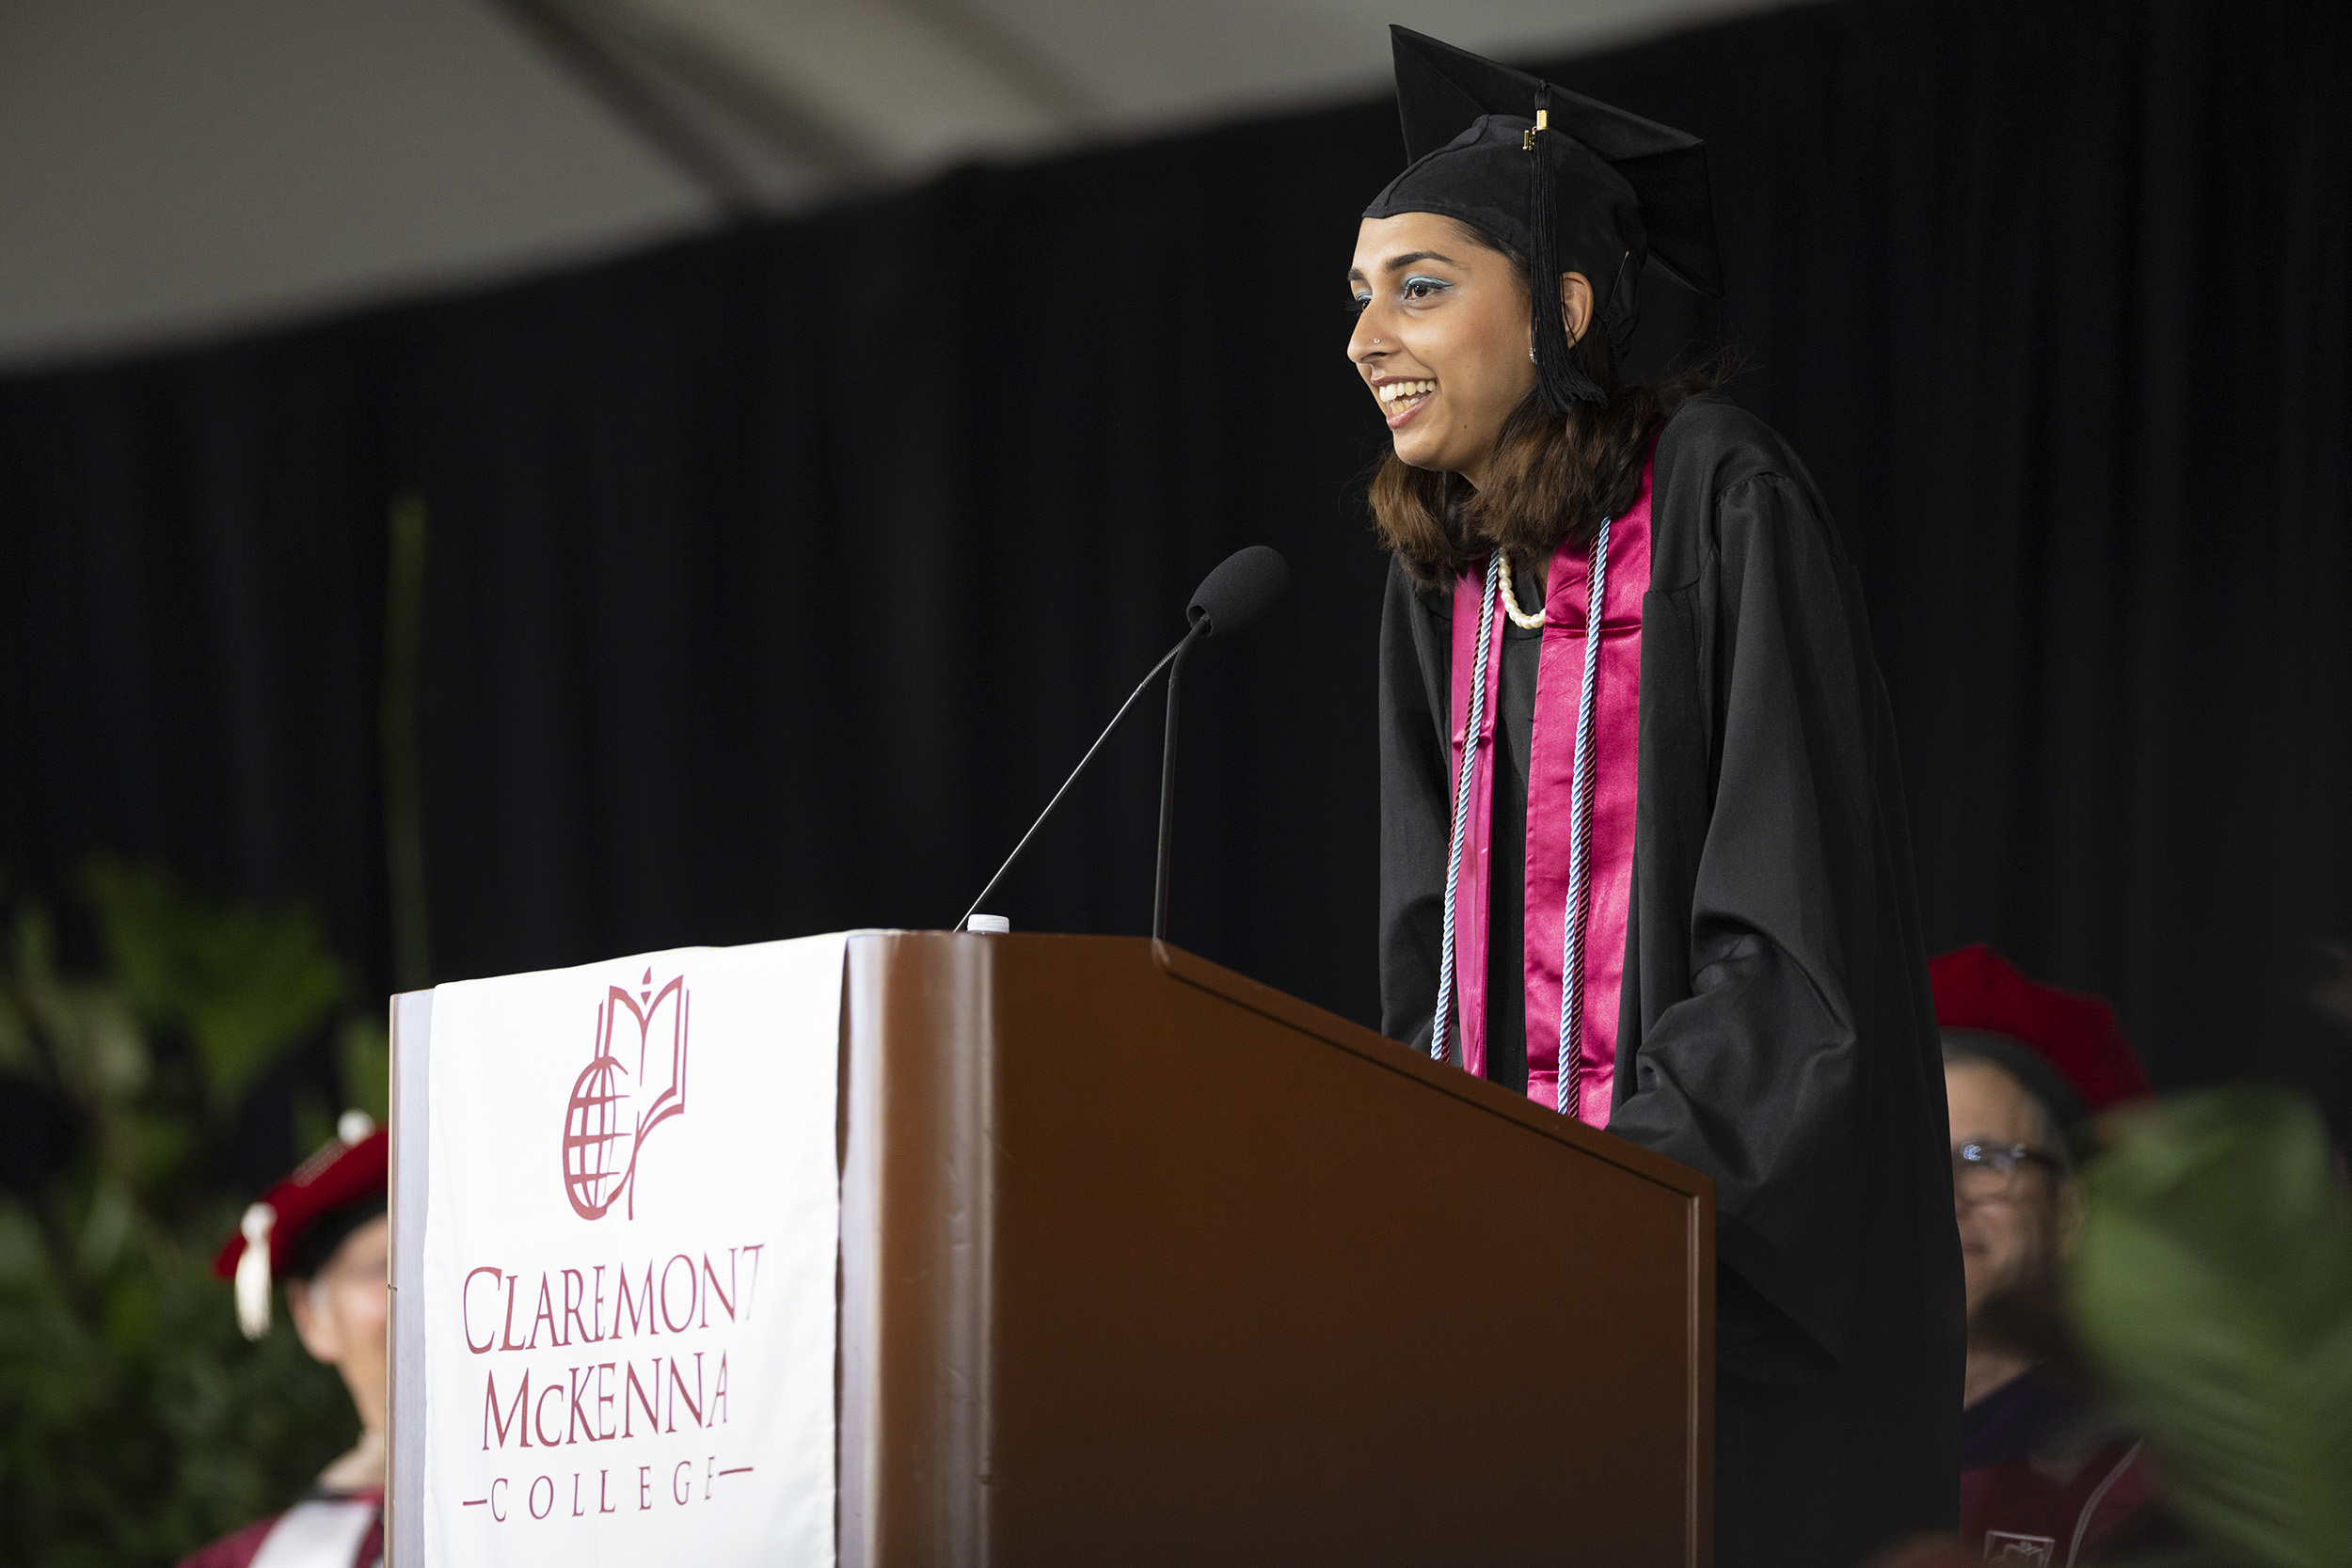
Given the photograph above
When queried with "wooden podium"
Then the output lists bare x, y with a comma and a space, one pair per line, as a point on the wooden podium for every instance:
1144, 1263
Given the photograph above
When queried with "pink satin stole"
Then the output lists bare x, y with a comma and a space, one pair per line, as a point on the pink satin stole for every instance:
1616, 747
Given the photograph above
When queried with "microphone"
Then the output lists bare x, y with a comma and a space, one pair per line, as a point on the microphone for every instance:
1242, 587
1228, 600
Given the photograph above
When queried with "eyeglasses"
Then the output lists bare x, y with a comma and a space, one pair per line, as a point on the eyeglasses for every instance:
1982, 1171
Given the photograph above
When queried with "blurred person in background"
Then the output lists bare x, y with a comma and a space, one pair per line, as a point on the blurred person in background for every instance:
2046, 1477
324, 1233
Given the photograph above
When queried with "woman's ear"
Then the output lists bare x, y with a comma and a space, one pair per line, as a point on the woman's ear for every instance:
1576, 304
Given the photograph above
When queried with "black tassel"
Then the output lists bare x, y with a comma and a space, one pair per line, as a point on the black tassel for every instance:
1564, 385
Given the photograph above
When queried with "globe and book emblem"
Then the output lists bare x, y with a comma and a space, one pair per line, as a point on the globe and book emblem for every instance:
614, 1108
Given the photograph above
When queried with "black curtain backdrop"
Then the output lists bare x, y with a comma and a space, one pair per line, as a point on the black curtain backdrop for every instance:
777, 577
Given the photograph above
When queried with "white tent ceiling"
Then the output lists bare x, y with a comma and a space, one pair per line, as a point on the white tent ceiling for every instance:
172, 169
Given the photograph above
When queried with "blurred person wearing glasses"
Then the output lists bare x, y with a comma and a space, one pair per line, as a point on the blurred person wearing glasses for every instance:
2046, 1477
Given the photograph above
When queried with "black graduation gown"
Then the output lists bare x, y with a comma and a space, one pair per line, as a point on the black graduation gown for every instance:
1776, 1029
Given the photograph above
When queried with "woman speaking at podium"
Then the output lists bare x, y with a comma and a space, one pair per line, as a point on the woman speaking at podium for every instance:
1643, 848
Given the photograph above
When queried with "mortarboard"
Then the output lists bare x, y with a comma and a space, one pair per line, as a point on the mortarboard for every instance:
1563, 180
2063, 1046
294, 1226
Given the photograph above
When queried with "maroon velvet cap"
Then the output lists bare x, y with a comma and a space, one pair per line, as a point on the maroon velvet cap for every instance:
1978, 990
337, 1175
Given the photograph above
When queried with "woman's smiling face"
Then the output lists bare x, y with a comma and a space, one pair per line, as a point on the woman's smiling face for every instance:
1441, 339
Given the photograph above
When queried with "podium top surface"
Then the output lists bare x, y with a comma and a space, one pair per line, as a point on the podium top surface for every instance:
1099, 955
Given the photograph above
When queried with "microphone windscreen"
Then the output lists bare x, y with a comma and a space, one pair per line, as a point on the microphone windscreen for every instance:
1242, 588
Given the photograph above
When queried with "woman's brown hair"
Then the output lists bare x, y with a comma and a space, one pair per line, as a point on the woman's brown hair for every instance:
1554, 475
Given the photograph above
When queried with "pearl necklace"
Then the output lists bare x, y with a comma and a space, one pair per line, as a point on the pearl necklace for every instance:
1511, 604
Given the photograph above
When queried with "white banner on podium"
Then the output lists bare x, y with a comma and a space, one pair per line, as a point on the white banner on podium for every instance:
630, 1231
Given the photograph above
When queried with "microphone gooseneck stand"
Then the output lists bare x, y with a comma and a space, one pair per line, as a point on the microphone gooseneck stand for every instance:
1167, 781
1084, 763
1228, 600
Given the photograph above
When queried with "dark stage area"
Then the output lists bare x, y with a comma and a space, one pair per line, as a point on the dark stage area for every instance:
775, 579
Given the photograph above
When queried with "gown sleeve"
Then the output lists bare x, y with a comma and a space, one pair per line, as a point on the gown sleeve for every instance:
1414, 798
1760, 1074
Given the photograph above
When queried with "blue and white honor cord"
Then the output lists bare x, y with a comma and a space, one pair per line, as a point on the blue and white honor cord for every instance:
1580, 824
1572, 922
1461, 808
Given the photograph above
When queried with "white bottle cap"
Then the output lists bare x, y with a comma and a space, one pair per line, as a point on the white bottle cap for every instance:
989, 925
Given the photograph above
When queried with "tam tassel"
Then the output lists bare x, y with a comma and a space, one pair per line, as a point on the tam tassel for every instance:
252, 1285
1564, 384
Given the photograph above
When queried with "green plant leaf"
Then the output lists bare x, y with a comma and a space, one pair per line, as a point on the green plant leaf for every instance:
105, 1227
23, 1253
136, 1424
101, 1050
2213, 1288
245, 984
96, 1051
31, 973
19, 1056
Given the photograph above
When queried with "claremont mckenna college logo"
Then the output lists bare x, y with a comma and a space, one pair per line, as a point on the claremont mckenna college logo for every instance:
610, 1114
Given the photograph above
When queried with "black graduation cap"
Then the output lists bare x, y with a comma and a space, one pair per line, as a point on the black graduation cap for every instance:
1565, 180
